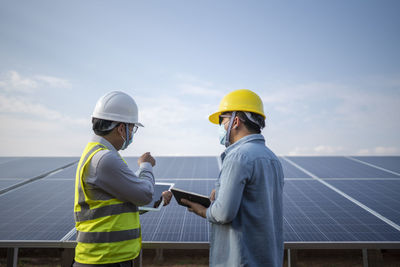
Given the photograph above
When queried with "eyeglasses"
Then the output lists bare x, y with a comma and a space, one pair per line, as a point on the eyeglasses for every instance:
135, 128
222, 116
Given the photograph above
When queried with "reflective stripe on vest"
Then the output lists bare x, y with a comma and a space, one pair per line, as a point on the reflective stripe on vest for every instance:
104, 237
108, 230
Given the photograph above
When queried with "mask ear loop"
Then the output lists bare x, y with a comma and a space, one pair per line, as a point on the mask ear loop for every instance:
228, 132
127, 131
124, 145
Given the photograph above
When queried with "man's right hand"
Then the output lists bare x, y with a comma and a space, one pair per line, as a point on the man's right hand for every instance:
146, 157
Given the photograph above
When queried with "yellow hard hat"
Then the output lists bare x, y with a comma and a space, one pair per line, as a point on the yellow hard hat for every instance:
239, 100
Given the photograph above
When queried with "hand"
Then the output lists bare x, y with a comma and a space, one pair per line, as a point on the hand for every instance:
195, 207
146, 157
167, 195
212, 195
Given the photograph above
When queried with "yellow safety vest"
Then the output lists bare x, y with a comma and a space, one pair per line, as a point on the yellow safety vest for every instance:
108, 230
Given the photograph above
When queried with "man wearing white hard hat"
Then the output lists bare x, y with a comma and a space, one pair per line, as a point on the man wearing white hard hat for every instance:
107, 191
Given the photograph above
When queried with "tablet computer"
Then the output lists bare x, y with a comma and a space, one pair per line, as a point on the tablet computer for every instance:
194, 197
157, 202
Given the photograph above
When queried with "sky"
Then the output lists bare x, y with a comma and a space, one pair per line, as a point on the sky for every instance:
328, 73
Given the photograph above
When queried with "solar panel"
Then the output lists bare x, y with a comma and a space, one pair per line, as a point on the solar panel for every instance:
313, 212
5, 183
41, 210
380, 195
7, 159
391, 163
29, 167
340, 167
182, 167
175, 223
292, 172
67, 173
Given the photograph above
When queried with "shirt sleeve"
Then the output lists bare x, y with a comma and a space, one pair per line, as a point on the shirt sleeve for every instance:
234, 176
115, 177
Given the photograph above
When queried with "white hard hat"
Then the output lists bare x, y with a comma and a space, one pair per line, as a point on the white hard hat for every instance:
117, 106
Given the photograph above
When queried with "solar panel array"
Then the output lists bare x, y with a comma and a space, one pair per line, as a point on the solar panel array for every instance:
326, 199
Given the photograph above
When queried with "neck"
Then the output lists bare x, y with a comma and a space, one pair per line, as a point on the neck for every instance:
239, 135
114, 141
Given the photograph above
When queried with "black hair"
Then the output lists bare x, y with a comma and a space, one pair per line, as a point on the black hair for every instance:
98, 126
251, 126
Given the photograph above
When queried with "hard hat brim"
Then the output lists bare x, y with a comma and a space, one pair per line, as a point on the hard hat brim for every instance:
214, 118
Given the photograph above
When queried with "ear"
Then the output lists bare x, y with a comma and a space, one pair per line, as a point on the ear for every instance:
236, 122
121, 128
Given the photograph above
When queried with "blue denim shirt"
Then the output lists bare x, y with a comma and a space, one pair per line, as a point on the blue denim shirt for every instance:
246, 216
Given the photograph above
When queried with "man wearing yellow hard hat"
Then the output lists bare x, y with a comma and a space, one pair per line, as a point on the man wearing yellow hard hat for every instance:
246, 212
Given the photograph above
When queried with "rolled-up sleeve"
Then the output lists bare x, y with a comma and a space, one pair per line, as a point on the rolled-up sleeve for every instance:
233, 177
115, 177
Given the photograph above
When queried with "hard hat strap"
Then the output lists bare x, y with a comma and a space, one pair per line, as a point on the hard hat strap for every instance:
248, 115
112, 126
228, 132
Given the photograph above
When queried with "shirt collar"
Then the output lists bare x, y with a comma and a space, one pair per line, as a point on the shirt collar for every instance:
246, 139
103, 141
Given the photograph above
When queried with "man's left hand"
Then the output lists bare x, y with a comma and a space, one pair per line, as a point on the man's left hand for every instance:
195, 207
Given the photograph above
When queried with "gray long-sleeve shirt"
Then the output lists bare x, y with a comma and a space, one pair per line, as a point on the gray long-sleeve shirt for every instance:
108, 171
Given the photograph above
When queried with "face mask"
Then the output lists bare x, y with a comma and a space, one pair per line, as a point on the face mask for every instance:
127, 142
222, 134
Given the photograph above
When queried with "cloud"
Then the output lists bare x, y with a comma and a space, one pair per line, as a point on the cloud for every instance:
191, 85
17, 97
22, 106
13, 82
379, 150
318, 150
29, 137
53, 81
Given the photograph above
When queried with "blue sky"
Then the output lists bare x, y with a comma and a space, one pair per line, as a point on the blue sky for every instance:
328, 73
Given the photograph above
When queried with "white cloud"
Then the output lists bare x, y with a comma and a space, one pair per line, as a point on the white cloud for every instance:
16, 96
41, 137
23, 106
191, 85
318, 150
13, 82
53, 82
380, 150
